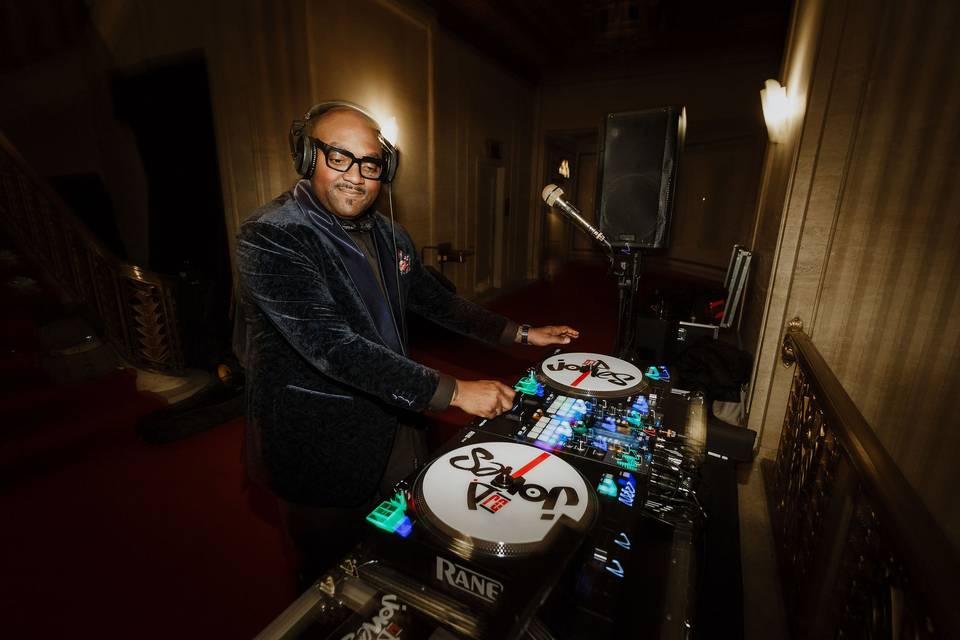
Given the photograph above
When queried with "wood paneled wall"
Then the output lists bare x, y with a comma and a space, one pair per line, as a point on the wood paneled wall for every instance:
479, 107
269, 61
868, 253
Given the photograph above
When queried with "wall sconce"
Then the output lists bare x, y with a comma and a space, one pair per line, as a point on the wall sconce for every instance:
390, 130
776, 110
564, 169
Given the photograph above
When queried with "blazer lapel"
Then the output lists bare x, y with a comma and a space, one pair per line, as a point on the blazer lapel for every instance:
388, 273
356, 265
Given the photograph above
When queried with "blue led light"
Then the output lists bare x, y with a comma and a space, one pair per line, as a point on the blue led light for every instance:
404, 527
629, 488
641, 405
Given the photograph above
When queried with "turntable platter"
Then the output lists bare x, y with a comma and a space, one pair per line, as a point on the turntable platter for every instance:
501, 498
591, 375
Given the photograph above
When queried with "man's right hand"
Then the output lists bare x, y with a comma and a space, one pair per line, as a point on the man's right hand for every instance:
484, 398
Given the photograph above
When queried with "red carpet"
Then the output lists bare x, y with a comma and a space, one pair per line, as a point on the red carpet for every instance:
132, 540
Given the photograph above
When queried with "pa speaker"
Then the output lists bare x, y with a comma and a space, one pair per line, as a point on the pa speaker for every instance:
639, 155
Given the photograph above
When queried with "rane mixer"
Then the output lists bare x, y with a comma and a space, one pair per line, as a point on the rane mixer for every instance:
574, 515
601, 408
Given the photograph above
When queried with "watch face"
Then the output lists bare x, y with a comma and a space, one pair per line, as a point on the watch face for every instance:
591, 375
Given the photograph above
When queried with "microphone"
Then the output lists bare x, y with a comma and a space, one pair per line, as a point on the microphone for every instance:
552, 196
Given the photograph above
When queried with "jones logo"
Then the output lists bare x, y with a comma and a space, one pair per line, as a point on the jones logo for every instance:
490, 498
467, 580
596, 369
380, 626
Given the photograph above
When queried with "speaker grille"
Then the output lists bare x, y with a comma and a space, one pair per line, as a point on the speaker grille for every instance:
638, 163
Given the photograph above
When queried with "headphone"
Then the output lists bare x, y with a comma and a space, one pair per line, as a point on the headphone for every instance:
304, 150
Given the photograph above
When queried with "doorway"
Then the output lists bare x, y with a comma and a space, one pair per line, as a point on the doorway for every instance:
570, 161
167, 105
490, 201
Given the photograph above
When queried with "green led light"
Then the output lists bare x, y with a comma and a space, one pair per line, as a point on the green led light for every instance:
527, 385
389, 513
628, 462
607, 486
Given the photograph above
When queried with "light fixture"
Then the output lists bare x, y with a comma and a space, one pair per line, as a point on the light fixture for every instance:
564, 169
776, 110
390, 130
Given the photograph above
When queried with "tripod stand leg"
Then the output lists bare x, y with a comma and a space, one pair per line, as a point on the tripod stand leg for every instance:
629, 285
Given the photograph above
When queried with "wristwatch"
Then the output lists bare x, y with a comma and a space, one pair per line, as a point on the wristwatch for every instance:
524, 334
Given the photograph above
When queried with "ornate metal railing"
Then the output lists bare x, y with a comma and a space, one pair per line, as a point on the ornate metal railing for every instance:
859, 554
136, 307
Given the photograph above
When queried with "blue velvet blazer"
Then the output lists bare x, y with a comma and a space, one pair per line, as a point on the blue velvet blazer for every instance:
327, 373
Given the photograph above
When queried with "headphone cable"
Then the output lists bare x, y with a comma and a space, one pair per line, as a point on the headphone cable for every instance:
396, 258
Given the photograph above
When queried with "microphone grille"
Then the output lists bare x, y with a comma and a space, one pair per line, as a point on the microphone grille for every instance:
551, 193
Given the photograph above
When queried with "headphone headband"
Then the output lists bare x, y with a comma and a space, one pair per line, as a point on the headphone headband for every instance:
304, 151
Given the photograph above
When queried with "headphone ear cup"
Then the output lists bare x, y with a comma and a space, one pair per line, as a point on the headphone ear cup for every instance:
393, 159
304, 151
304, 156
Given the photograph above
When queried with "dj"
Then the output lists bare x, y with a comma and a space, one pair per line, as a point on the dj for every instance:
325, 282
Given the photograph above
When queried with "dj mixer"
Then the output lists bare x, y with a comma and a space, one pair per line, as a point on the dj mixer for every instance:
604, 409
573, 515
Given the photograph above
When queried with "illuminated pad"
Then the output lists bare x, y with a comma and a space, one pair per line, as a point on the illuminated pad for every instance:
502, 498
591, 375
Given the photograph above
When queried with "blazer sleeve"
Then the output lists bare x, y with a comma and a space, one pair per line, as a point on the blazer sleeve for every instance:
430, 299
277, 276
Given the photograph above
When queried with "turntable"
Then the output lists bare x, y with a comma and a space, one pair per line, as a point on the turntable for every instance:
591, 375
501, 499
494, 532
489, 523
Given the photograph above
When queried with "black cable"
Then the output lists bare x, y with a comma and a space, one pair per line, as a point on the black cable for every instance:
396, 262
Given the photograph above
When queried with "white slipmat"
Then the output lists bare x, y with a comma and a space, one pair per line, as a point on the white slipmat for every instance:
591, 375
502, 522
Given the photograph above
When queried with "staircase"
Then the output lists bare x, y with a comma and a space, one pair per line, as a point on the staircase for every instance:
82, 336
62, 389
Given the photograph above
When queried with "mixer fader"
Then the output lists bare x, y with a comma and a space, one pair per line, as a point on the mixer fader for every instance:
613, 432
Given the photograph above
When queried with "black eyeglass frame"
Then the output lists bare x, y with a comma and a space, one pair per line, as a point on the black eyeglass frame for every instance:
378, 162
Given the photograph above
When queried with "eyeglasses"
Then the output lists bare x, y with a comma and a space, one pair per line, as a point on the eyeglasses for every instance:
342, 160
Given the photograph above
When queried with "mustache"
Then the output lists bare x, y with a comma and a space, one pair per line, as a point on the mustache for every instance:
346, 186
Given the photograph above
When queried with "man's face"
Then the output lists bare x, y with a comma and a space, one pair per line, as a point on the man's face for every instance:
345, 194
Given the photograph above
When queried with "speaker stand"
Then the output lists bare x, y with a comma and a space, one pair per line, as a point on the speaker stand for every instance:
626, 267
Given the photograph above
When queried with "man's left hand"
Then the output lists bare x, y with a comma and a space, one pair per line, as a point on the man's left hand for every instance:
551, 334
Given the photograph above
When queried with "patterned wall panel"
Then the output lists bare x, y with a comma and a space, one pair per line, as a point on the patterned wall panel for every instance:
859, 555
867, 232
803, 481
888, 314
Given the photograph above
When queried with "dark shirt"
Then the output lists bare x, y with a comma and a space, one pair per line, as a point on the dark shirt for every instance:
444, 393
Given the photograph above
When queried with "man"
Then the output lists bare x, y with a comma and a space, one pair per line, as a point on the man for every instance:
324, 283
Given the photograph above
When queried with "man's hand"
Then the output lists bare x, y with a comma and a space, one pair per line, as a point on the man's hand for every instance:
551, 334
484, 398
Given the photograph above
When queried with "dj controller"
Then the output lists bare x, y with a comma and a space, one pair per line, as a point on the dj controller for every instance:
574, 515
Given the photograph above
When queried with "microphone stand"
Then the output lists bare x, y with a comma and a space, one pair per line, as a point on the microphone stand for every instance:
626, 267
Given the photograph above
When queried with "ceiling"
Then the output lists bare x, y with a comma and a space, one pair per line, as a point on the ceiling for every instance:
535, 38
